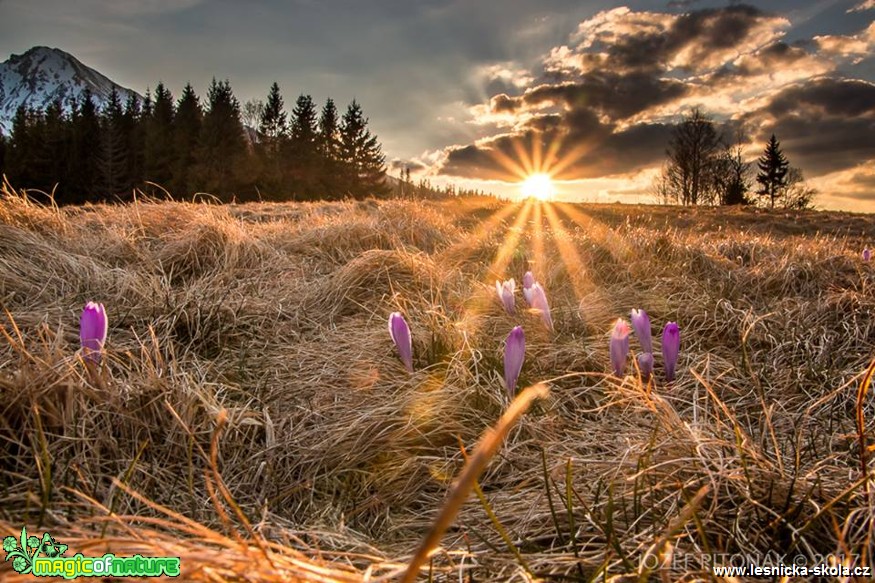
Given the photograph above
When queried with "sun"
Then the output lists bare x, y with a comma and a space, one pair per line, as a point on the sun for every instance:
538, 186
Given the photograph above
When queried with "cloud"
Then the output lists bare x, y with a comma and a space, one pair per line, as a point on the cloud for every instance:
825, 124
855, 47
864, 5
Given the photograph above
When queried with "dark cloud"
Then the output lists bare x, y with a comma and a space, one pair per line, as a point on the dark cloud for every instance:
584, 148
825, 124
398, 165
825, 97
650, 42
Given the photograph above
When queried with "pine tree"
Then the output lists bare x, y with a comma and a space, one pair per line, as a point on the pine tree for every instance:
221, 150
158, 149
86, 148
113, 154
363, 160
328, 147
303, 155
21, 148
272, 125
273, 133
772, 176
133, 126
186, 129
54, 147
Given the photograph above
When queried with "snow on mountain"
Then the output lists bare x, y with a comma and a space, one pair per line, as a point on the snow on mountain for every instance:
43, 75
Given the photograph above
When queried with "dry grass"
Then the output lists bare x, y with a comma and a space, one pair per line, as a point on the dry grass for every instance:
252, 416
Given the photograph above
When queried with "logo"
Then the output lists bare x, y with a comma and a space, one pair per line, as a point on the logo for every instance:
45, 558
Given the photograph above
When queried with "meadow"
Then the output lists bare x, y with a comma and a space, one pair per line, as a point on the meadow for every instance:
251, 414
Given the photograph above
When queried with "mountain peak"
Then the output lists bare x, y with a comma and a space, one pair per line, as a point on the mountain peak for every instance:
42, 75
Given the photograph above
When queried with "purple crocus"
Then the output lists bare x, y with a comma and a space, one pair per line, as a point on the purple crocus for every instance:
671, 347
539, 302
93, 327
400, 333
505, 294
645, 364
528, 282
867, 254
641, 324
514, 354
619, 346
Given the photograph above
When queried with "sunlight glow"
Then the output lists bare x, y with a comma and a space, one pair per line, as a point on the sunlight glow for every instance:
538, 186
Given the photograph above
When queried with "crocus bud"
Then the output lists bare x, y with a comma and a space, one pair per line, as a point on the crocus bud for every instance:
505, 294
514, 354
645, 364
539, 302
641, 324
528, 282
93, 327
400, 333
671, 346
619, 346
867, 254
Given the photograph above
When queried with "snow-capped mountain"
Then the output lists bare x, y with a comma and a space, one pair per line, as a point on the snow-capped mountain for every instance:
43, 75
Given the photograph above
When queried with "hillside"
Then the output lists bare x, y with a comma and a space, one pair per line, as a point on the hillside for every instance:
42, 75
249, 373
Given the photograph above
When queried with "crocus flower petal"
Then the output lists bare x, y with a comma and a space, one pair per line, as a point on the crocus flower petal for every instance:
506, 294
619, 347
514, 354
671, 347
645, 364
539, 302
641, 324
93, 329
528, 282
867, 254
400, 333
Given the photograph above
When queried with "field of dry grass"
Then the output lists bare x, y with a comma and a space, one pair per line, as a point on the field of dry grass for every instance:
253, 418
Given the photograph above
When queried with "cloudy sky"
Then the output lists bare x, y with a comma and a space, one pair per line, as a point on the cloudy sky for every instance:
480, 92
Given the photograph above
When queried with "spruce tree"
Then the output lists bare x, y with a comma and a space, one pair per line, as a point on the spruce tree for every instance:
328, 147
303, 156
773, 167
273, 133
158, 149
113, 154
361, 155
186, 129
54, 147
86, 148
272, 126
221, 150
135, 132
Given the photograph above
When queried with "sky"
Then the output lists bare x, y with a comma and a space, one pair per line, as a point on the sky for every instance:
481, 93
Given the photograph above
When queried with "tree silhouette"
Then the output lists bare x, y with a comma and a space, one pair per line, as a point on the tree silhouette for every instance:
158, 156
773, 167
302, 148
692, 158
363, 161
113, 155
186, 130
221, 148
273, 134
86, 146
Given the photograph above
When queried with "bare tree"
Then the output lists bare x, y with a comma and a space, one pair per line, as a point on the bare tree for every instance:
251, 113
732, 173
797, 193
692, 153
